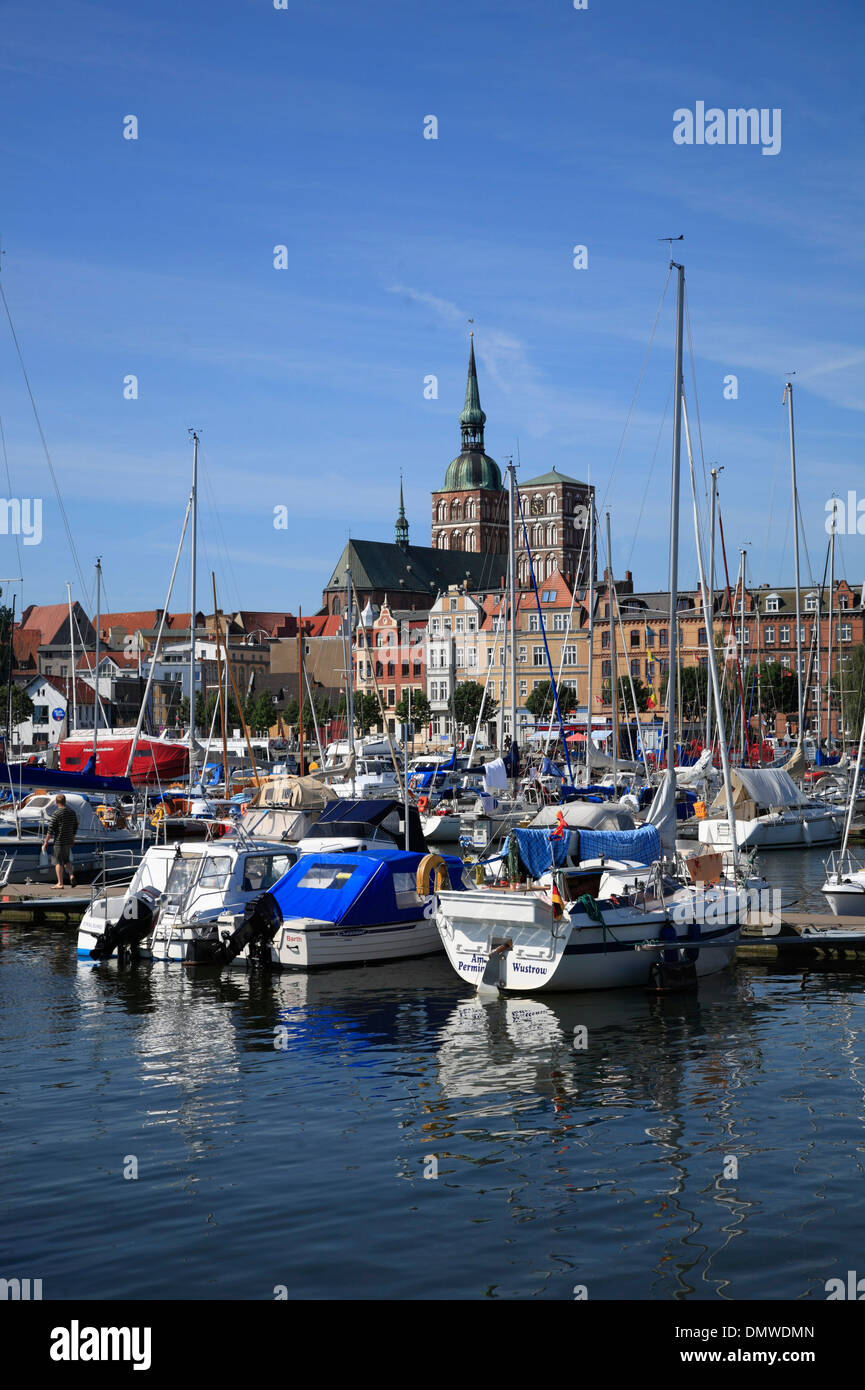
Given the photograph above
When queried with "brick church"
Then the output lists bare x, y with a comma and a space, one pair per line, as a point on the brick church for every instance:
470, 530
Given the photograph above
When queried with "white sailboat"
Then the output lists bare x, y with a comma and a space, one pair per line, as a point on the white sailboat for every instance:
844, 889
613, 921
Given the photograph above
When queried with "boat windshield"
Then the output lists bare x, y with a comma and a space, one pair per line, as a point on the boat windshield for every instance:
326, 876
210, 871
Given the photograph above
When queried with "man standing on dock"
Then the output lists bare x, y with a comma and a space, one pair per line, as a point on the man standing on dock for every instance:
63, 827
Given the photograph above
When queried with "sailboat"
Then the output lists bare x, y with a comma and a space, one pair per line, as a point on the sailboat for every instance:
773, 812
627, 916
844, 889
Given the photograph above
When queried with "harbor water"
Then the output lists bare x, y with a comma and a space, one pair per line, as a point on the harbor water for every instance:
380, 1133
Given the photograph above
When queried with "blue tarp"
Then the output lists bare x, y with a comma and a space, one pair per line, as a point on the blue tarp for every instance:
642, 844
52, 779
353, 890
822, 759
539, 852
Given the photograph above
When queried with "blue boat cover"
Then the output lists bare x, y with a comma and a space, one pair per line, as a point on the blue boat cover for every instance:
539, 851
355, 890
52, 778
642, 844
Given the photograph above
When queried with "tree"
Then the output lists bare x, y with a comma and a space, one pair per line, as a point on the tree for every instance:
366, 712
5, 626
420, 708
202, 711
626, 699
260, 711
541, 702
468, 697
22, 705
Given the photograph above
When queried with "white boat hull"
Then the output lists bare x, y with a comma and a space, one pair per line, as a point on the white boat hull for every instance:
441, 829
304, 944
782, 831
577, 954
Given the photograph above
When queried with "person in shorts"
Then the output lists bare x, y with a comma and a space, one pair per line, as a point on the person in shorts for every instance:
62, 828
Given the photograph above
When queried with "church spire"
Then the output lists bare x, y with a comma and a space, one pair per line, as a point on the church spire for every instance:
473, 419
401, 522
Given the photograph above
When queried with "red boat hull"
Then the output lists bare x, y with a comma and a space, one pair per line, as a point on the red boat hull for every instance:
155, 762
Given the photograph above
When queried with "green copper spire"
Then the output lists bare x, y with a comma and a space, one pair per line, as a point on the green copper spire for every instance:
472, 468
401, 522
473, 419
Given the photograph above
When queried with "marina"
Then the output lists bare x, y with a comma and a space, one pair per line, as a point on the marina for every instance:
432, 679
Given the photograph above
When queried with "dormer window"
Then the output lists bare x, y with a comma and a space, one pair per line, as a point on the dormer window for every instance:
810, 603
772, 603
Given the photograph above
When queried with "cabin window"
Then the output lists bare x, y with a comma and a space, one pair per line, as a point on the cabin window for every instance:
405, 890
262, 871
215, 871
326, 876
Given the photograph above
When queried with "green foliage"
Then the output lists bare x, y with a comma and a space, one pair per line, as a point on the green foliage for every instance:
22, 705
850, 681
541, 703
626, 699
420, 709
366, 712
468, 696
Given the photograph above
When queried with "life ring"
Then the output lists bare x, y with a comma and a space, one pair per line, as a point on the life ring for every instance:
432, 866
422, 804
159, 815
441, 810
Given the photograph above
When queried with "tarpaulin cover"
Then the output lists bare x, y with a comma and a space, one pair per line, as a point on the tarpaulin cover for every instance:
642, 844
766, 787
539, 852
354, 890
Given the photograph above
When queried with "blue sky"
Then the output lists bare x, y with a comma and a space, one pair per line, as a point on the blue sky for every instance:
304, 127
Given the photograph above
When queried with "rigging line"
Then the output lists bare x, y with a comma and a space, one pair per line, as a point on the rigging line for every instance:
229, 566
58, 495
9, 485
631, 407
696, 397
804, 540
651, 471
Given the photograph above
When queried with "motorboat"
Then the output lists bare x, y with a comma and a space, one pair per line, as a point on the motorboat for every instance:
177, 896
109, 834
363, 824
339, 909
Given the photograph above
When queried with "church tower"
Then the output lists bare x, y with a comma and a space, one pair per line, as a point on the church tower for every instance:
401, 533
470, 511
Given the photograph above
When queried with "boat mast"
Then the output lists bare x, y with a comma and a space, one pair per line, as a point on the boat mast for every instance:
614, 680
96, 667
589, 696
742, 554
193, 559
710, 618
72, 659
788, 397
672, 690
829, 641
512, 600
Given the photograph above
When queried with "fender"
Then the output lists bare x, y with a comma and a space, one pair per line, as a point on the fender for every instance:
431, 867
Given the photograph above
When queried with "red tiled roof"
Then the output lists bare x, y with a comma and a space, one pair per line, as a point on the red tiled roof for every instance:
124, 659
44, 618
25, 649
275, 624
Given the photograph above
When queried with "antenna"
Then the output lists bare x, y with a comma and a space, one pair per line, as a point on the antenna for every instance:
669, 240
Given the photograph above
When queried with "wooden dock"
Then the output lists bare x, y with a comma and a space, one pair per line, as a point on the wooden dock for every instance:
43, 902
819, 933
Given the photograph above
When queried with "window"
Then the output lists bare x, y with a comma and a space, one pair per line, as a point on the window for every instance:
326, 876
405, 890
434, 625
569, 656
263, 871
560, 622
843, 601
522, 654
772, 604
459, 625
635, 667
391, 696
784, 633
701, 637
453, 605
810, 603
606, 670
458, 659
472, 624
524, 689
551, 503
489, 656
662, 637
635, 637
846, 632
433, 658
785, 660
605, 639
769, 634
471, 656
650, 637
404, 668
538, 658
415, 670
533, 623
535, 684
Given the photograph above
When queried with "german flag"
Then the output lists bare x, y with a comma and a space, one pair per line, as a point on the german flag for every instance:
558, 905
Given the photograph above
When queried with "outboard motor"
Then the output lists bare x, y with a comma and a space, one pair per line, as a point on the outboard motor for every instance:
136, 921
262, 919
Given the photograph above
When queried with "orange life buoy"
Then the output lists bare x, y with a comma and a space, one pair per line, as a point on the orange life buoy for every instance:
422, 803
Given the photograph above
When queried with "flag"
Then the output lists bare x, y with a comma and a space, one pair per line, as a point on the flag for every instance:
561, 827
558, 905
